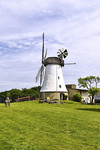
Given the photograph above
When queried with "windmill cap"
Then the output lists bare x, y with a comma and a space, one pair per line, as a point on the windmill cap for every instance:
54, 60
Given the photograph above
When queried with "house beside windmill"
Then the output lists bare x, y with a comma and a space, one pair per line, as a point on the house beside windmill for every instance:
83, 92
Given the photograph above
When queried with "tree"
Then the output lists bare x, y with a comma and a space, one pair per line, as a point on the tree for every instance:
8, 94
88, 83
25, 92
15, 93
34, 92
3, 96
97, 80
62, 53
93, 91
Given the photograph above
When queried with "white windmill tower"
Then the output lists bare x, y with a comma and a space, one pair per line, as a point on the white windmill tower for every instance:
53, 85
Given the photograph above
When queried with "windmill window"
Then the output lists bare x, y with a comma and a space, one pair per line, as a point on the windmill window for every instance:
58, 77
59, 86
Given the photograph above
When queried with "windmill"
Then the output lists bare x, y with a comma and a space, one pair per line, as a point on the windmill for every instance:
53, 85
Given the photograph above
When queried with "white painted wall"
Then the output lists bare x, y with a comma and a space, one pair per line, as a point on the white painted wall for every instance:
53, 79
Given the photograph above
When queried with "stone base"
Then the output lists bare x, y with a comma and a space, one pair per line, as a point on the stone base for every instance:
48, 96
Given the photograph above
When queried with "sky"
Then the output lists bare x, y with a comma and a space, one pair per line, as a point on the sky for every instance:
70, 24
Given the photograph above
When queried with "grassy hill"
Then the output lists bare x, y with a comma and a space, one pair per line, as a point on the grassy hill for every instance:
35, 126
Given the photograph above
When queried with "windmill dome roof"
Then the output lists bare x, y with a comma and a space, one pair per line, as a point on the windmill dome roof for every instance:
53, 60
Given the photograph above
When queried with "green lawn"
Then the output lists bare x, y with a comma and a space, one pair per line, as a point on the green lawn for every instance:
41, 126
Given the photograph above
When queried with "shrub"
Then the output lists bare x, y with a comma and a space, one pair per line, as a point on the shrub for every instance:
77, 97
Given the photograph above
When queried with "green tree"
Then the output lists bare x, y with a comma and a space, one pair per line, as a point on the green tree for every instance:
93, 91
25, 92
88, 83
35, 91
8, 94
15, 93
3, 96
97, 80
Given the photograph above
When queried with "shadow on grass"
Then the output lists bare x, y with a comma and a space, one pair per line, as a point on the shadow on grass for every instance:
89, 109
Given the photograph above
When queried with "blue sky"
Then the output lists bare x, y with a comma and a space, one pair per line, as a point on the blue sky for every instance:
71, 24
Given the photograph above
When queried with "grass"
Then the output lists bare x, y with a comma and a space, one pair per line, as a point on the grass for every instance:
35, 126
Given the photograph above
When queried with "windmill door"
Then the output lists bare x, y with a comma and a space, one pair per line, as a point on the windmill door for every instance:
61, 96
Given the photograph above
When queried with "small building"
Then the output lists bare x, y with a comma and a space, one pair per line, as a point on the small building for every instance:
72, 90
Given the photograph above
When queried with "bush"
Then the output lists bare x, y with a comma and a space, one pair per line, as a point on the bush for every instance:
77, 97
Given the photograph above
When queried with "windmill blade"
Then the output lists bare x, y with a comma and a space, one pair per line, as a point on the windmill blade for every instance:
41, 74
59, 55
38, 74
65, 52
43, 49
60, 51
45, 54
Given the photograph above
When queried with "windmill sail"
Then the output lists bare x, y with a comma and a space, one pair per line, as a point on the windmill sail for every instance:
43, 49
45, 54
40, 73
